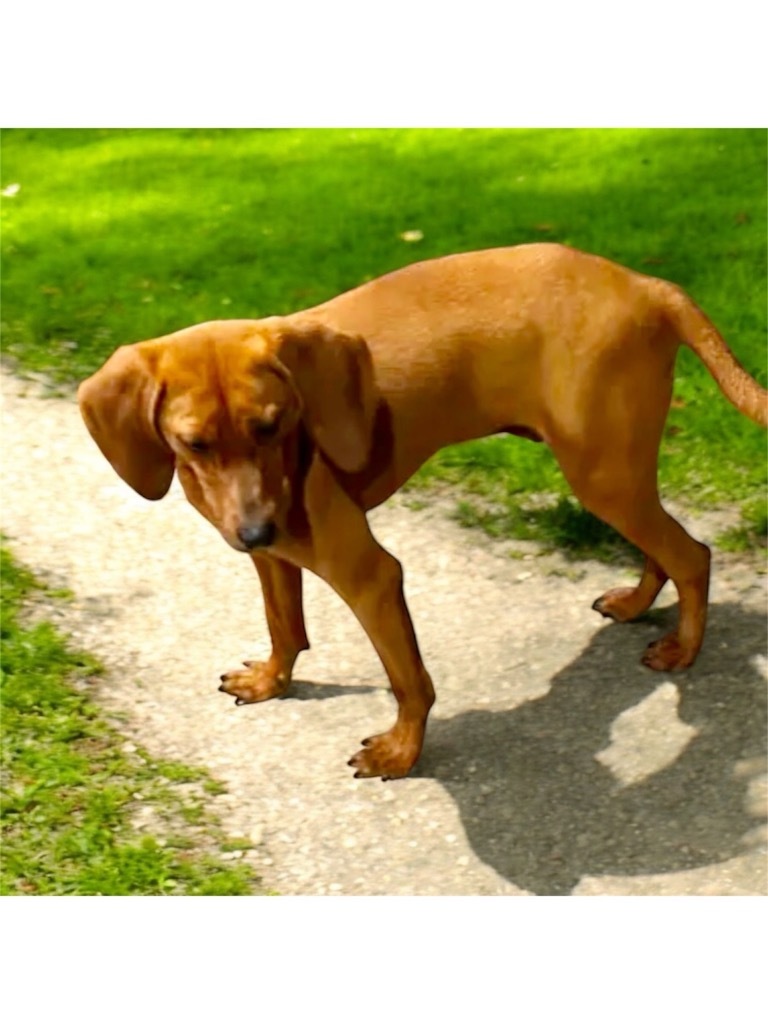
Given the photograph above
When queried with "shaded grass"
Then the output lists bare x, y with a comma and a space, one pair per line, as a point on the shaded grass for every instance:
115, 236
564, 526
72, 787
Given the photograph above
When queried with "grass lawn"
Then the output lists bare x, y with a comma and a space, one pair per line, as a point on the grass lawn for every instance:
72, 787
114, 236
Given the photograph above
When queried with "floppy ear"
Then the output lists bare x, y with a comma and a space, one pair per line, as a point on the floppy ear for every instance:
120, 405
333, 373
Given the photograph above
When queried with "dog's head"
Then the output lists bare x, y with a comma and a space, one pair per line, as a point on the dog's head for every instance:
221, 403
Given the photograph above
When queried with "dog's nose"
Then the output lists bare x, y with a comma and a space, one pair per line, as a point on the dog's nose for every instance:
260, 536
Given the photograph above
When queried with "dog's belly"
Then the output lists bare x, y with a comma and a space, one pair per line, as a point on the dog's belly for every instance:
406, 435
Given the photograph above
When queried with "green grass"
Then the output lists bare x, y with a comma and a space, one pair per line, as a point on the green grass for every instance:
72, 787
563, 525
114, 236
753, 531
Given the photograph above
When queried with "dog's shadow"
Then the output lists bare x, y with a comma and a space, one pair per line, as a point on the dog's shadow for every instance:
306, 689
543, 811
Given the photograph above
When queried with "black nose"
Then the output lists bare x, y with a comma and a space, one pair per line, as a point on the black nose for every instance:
260, 536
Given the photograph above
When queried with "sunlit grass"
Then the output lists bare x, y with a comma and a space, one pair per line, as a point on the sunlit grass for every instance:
114, 236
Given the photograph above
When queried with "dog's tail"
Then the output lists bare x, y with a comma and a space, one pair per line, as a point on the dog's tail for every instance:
696, 331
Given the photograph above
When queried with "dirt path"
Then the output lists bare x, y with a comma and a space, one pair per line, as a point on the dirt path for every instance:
554, 763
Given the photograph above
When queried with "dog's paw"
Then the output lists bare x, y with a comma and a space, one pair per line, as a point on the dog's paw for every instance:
621, 604
387, 756
256, 682
667, 655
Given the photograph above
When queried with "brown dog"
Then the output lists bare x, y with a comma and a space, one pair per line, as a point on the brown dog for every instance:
285, 431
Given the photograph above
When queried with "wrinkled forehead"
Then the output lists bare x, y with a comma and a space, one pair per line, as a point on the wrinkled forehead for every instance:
210, 380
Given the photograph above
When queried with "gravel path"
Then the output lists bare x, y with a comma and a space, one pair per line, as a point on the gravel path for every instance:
554, 763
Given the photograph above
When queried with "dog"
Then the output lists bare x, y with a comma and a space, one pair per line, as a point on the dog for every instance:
285, 431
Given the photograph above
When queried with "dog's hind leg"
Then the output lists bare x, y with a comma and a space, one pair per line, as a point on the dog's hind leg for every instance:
622, 492
605, 430
626, 603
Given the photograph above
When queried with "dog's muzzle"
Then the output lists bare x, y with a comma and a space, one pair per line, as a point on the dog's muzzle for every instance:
259, 536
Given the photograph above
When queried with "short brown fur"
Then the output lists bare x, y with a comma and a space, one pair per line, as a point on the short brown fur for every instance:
285, 431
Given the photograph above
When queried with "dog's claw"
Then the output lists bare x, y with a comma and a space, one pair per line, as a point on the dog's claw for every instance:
388, 756
622, 604
667, 655
256, 682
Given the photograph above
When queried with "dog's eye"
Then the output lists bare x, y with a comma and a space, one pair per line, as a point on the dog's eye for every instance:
263, 430
198, 446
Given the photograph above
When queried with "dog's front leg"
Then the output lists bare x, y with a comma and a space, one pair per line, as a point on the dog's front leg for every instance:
375, 594
260, 680
373, 589
347, 556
